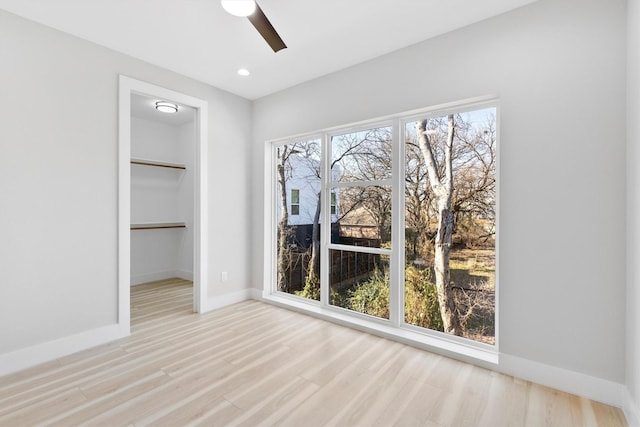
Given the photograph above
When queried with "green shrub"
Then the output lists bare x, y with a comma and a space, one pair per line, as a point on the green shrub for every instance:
372, 296
311, 289
421, 306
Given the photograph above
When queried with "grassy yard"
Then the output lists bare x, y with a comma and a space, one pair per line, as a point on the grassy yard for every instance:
474, 271
471, 267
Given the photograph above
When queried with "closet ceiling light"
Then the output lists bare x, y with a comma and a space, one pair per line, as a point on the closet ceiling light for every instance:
166, 107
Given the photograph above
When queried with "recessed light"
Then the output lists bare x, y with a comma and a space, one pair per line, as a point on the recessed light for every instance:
243, 72
239, 7
166, 107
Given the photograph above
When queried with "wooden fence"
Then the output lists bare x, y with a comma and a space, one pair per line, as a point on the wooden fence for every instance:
346, 268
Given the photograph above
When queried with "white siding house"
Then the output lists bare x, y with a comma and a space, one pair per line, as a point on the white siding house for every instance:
302, 187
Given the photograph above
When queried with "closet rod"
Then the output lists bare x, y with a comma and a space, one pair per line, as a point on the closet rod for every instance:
156, 226
159, 164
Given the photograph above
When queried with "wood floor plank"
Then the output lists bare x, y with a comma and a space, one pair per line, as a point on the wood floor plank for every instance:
277, 405
374, 401
44, 409
255, 364
506, 402
363, 406
97, 405
210, 409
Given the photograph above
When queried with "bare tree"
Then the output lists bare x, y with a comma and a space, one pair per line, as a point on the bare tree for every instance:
283, 154
474, 181
441, 183
419, 207
473, 160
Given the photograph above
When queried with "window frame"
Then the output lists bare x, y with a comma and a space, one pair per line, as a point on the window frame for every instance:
327, 186
395, 327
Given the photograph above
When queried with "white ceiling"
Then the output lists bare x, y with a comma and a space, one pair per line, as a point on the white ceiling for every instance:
198, 39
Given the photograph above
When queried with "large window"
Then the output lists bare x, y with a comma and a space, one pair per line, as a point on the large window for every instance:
394, 222
297, 170
359, 252
450, 222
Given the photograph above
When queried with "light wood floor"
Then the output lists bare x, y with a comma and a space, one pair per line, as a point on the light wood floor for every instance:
255, 364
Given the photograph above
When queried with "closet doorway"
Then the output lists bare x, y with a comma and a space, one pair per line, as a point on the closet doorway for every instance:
162, 191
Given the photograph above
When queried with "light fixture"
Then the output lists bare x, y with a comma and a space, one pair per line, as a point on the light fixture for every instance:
243, 72
166, 107
239, 7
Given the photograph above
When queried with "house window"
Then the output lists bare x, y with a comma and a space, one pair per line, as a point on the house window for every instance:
334, 210
413, 246
295, 202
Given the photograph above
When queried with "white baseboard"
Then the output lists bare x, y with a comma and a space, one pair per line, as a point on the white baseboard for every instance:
161, 275
631, 410
593, 388
51, 350
256, 294
220, 301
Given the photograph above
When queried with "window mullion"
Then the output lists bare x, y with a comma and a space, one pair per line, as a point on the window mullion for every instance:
325, 215
396, 294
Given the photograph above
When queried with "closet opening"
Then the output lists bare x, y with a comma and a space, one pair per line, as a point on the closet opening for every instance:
162, 217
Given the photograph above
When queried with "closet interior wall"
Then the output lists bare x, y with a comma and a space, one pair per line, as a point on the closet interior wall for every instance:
162, 195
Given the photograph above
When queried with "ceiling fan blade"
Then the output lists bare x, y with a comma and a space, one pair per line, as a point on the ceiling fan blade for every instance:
266, 30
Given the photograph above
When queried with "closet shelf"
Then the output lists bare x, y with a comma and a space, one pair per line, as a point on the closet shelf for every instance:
169, 165
158, 225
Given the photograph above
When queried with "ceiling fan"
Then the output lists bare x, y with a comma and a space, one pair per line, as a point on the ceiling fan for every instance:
251, 10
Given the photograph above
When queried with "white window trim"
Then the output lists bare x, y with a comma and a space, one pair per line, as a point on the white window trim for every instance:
394, 328
353, 184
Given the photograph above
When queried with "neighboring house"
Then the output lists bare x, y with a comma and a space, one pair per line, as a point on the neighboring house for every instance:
302, 189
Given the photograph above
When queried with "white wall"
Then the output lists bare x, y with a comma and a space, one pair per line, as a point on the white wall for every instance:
58, 181
633, 207
558, 69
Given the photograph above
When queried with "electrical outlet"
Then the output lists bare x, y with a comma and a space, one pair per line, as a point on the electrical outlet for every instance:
223, 276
